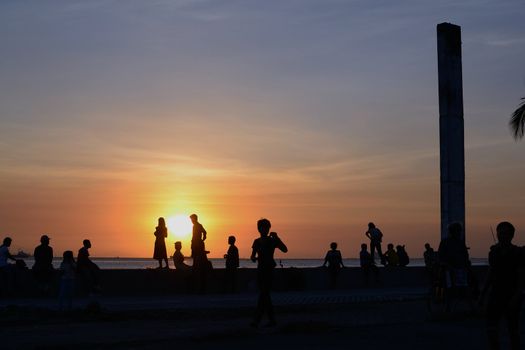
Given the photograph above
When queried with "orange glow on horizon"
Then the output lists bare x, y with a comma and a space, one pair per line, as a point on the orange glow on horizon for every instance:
179, 227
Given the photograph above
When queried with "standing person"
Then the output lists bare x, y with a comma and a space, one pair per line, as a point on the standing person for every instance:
232, 263
505, 281
367, 264
429, 256
263, 249
431, 264
6, 269
453, 255
198, 251
376, 237
201, 264
160, 253
335, 261
43, 267
87, 269
68, 268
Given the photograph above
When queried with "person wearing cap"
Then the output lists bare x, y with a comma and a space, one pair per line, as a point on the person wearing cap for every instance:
43, 267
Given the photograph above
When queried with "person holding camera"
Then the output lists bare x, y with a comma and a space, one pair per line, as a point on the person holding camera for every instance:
263, 249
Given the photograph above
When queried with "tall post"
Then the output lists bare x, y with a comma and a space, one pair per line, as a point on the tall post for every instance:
451, 128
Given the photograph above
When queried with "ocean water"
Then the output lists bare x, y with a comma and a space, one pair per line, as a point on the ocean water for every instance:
143, 263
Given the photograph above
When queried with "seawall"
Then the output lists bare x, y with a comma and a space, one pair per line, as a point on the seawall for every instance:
167, 282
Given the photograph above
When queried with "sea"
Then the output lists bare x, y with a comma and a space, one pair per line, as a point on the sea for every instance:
144, 263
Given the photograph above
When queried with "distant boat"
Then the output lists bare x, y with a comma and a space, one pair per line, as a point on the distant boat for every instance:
21, 254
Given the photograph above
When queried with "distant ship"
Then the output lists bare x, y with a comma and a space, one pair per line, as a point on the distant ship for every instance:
21, 254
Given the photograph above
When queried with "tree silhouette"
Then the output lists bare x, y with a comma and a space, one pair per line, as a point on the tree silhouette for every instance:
517, 121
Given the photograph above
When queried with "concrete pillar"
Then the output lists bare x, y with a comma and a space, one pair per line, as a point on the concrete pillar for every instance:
451, 129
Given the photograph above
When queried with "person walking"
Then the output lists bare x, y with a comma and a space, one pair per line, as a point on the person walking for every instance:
263, 249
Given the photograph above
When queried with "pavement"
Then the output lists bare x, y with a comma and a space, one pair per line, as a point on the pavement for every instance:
229, 301
393, 318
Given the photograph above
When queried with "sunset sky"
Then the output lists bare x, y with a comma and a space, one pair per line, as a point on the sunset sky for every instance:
321, 115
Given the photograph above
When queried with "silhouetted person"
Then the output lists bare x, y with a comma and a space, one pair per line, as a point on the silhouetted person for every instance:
402, 255
391, 256
232, 264
453, 256
178, 257
335, 261
263, 249
429, 256
367, 264
87, 269
5, 254
160, 253
43, 267
505, 281
6, 269
198, 251
376, 237
68, 268
201, 264
431, 263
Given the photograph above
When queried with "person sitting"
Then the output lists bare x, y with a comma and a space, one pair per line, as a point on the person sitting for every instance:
178, 257
391, 256
87, 269
402, 255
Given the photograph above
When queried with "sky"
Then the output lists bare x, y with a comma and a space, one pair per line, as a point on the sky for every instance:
320, 115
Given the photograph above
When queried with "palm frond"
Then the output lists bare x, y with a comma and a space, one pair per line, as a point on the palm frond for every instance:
517, 121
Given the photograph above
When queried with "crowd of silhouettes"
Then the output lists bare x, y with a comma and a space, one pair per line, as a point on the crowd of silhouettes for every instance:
501, 293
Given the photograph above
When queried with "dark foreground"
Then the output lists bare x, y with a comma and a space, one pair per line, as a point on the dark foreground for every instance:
337, 320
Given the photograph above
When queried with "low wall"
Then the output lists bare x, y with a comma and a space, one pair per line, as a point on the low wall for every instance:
166, 282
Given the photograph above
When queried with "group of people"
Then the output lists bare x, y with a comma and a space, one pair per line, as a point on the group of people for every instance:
501, 293
83, 268
263, 249
198, 249
392, 257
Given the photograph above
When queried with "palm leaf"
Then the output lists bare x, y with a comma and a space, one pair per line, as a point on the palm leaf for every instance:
517, 121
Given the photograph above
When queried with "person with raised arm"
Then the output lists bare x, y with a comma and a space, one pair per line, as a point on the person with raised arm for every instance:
376, 237
263, 249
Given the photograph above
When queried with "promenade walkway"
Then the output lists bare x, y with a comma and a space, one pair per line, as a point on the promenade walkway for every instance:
229, 301
396, 318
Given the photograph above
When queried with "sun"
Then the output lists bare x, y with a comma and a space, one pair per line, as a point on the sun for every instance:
179, 226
